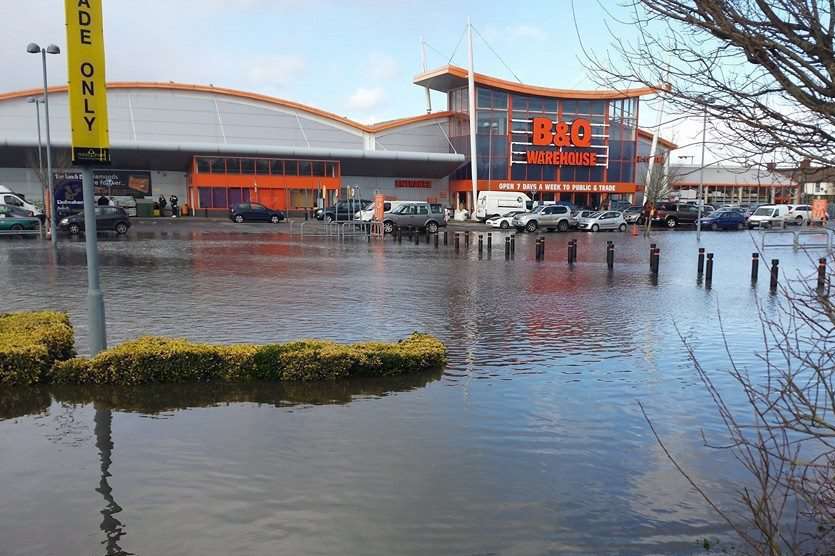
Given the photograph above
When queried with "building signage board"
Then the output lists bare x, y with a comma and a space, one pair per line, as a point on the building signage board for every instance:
415, 184
537, 187
87, 90
111, 183
560, 144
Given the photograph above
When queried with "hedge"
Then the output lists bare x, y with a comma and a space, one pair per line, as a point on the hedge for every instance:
31, 343
155, 360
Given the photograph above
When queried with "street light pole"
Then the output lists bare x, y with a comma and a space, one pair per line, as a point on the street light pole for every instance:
37, 102
33, 48
702, 176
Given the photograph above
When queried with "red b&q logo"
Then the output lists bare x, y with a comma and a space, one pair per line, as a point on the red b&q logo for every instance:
578, 134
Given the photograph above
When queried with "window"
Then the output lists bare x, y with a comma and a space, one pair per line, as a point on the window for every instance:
291, 168
262, 167
305, 168
561, 210
247, 166
243, 206
219, 197
13, 201
258, 208
233, 166
203, 166
318, 168
277, 168
330, 169
218, 166
423, 209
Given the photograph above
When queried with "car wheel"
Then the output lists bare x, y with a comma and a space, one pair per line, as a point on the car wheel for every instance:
75, 229
531, 226
563, 226
504, 225
672, 223
432, 227
388, 227
239, 218
799, 220
329, 218
16, 228
765, 225
622, 228
121, 228
714, 227
275, 219
595, 228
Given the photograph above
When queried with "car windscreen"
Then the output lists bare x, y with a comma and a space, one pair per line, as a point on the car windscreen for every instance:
765, 211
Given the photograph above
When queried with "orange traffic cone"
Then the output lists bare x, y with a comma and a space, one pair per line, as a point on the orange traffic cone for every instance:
634, 229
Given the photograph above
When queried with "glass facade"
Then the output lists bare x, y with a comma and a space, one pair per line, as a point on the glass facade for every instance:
267, 167
504, 129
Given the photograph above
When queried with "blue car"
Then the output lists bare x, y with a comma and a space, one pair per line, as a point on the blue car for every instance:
724, 220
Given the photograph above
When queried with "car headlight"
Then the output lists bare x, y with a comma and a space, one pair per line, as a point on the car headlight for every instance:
64, 221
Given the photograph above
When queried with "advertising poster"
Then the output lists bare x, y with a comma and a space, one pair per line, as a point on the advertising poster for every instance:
111, 183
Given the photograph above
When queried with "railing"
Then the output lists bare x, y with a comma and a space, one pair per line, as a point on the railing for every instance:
22, 233
825, 235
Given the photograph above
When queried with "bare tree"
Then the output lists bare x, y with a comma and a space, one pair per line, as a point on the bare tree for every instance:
658, 185
763, 70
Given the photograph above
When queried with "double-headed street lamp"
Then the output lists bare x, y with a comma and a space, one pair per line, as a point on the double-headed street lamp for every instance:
33, 48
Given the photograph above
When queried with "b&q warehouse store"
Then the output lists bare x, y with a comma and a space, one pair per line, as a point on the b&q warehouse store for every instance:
215, 147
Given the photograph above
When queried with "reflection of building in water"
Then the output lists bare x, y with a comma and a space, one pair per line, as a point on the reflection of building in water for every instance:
112, 527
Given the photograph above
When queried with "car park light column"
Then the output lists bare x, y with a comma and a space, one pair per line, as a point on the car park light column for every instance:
473, 114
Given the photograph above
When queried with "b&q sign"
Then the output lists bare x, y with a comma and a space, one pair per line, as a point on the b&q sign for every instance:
577, 134
87, 92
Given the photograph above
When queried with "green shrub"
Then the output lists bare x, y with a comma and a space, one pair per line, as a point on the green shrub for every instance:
31, 343
162, 360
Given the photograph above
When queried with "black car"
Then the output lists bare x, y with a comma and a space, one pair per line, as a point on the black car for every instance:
344, 210
253, 212
107, 219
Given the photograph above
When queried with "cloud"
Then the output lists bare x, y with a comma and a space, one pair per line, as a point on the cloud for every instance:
276, 71
365, 98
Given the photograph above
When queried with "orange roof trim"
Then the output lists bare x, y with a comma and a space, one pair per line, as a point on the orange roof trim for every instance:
496, 83
374, 128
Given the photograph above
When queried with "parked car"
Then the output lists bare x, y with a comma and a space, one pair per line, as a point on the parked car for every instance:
415, 214
603, 220
674, 214
17, 211
107, 219
344, 210
319, 214
12, 199
577, 215
254, 212
549, 217
767, 216
504, 221
367, 214
634, 215
12, 220
494, 203
724, 219
799, 214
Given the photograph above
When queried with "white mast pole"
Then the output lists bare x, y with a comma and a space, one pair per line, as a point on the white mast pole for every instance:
424, 69
471, 108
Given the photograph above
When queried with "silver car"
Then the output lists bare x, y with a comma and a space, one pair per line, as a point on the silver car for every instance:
549, 217
415, 215
603, 220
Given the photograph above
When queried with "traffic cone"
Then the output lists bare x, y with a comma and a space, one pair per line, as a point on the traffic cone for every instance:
634, 229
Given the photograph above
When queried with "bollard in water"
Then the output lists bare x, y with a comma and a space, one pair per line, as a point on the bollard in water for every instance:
570, 250
436, 241
655, 260
467, 240
651, 254
512, 245
775, 273
417, 236
480, 244
506, 248
610, 256
701, 265
709, 272
306, 215
540, 248
755, 267
457, 241
399, 235
489, 241
446, 238
821, 274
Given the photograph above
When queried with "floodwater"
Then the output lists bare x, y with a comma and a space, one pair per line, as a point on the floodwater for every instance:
530, 442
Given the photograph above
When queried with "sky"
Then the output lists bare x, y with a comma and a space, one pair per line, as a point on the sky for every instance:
355, 59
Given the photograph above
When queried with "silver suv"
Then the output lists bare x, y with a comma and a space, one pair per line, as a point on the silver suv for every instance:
549, 217
415, 214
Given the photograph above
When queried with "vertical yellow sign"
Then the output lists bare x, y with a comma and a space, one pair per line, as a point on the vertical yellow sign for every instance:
87, 90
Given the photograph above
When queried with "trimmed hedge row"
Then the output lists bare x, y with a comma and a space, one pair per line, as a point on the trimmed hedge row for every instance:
31, 343
150, 360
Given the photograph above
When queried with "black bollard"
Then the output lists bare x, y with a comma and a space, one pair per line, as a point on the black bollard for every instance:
570, 251
480, 244
446, 238
536, 249
399, 232
306, 215
755, 267
821, 274
709, 273
489, 241
436, 241
506, 247
610, 256
512, 245
775, 273
417, 236
651, 255
467, 240
656, 260
701, 266
457, 241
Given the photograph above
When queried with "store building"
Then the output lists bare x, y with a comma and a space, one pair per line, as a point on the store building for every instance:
739, 185
214, 147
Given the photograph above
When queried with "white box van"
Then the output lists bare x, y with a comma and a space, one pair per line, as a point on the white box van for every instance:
12, 199
497, 203
768, 216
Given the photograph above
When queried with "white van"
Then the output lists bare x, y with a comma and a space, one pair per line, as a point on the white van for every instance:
497, 203
12, 199
768, 216
367, 215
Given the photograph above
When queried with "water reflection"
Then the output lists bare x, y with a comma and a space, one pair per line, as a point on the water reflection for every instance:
111, 526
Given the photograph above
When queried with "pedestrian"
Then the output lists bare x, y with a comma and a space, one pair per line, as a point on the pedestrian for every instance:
173, 201
161, 202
